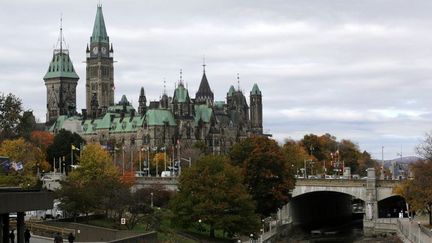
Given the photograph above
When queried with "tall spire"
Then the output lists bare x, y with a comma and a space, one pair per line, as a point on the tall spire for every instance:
204, 65
61, 33
61, 40
99, 30
61, 65
204, 93
238, 81
181, 77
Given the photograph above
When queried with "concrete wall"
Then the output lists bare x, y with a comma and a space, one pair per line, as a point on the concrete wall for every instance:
150, 237
89, 233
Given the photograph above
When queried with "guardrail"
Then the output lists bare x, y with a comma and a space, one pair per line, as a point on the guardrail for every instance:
47, 230
414, 231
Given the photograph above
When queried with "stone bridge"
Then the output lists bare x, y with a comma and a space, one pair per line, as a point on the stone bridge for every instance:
369, 190
356, 188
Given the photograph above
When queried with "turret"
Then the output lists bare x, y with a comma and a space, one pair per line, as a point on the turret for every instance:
182, 105
256, 110
204, 95
142, 103
61, 81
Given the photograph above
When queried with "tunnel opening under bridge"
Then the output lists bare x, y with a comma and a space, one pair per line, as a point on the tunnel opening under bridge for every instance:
326, 210
392, 207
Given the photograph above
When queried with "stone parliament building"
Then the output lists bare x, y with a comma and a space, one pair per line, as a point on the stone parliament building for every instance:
177, 119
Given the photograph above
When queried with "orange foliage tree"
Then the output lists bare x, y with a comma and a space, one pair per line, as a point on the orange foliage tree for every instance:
42, 139
268, 176
19, 150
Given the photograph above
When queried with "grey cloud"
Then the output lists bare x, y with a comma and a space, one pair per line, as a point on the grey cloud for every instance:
367, 62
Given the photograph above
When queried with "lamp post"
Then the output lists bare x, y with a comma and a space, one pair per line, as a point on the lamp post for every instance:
141, 149
262, 234
131, 159
123, 162
151, 199
37, 170
148, 160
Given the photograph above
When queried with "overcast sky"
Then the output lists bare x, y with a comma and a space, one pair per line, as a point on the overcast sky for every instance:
360, 70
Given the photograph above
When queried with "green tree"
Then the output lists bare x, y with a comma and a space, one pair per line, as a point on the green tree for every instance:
267, 174
61, 147
92, 184
26, 124
212, 191
10, 116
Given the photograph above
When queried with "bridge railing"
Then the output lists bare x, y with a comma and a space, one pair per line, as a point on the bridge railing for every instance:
414, 231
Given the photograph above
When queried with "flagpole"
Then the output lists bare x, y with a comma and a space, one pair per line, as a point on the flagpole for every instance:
148, 161
72, 155
165, 159
123, 162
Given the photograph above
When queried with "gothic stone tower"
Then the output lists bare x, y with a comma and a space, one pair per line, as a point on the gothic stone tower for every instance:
61, 81
100, 68
256, 110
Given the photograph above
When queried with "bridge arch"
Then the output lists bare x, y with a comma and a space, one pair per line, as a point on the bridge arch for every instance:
357, 192
321, 207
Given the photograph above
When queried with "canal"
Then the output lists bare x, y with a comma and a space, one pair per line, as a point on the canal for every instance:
335, 231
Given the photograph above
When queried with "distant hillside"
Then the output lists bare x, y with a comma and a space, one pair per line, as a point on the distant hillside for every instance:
404, 160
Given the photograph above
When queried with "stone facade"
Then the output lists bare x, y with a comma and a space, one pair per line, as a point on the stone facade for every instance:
172, 120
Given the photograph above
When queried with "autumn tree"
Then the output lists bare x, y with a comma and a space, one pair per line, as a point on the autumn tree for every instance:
418, 191
159, 162
295, 154
41, 139
212, 191
90, 186
267, 175
31, 157
332, 153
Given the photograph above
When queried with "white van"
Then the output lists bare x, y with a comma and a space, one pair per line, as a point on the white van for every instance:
166, 173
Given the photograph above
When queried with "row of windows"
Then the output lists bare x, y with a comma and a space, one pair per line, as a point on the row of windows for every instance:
105, 71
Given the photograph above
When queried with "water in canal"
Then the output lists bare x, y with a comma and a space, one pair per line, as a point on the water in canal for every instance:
346, 231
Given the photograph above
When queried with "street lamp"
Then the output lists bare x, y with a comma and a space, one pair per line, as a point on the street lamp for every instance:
262, 234
123, 162
151, 199
141, 149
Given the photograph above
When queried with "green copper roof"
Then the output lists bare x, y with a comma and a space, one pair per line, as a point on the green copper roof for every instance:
203, 112
99, 30
181, 94
219, 104
58, 124
89, 126
127, 124
231, 91
61, 67
118, 108
255, 90
158, 117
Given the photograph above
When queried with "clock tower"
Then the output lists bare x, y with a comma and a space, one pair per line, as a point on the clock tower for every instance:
100, 68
